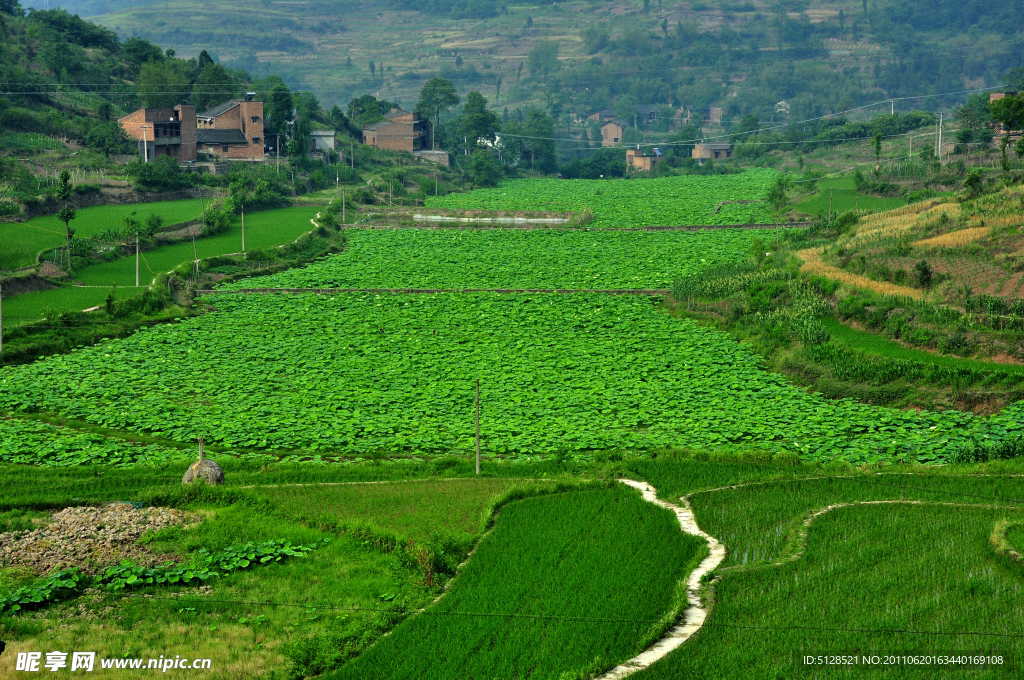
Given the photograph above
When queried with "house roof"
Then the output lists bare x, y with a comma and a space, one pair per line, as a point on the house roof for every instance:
618, 121
218, 110
220, 137
322, 133
715, 146
395, 113
646, 109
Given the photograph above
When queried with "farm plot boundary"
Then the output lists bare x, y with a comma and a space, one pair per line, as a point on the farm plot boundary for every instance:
551, 227
332, 291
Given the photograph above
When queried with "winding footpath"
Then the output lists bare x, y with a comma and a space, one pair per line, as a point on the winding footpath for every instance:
693, 617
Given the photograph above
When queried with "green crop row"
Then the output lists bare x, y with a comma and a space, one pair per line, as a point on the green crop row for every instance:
367, 374
414, 258
687, 199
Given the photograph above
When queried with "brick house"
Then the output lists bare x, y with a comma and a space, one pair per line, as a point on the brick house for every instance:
400, 131
638, 161
233, 130
602, 115
682, 116
711, 151
611, 132
166, 132
998, 127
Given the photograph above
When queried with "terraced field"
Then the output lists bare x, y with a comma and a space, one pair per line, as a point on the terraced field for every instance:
687, 199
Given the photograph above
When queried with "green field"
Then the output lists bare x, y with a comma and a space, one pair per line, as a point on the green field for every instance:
20, 242
844, 197
871, 343
686, 199
603, 556
877, 567
363, 374
262, 230
428, 258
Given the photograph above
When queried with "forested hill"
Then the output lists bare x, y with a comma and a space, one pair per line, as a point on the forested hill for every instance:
64, 76
576, 56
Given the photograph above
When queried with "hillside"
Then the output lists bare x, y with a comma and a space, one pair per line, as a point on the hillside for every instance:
818, 55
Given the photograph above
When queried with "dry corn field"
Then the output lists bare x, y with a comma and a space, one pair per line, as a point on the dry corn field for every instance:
813, 264
883, 226
954, 239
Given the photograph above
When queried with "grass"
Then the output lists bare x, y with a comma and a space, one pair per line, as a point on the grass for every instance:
595, 555
896, 567
871, 343
417, 510
844, 197
22, 241
338, 587
262, 230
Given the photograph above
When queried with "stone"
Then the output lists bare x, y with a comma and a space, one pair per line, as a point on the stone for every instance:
205, 470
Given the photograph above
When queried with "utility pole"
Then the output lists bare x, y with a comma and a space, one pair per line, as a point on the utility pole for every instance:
435, 184
145, 144
1, 318
830, 192
478, 425
911, 135
892, 107
343, 206
243, 227
938, 150
352, 153
136, 259
277, 150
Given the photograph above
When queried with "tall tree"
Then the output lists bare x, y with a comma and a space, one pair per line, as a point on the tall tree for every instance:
1009, 111
279, 107
539, 131
437, 95
478, 124
163, 84
213, 86
67, 213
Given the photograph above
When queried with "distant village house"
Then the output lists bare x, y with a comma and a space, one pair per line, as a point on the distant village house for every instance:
321, 140
611, 132
400, 131
638, 161
163, 132
711, 151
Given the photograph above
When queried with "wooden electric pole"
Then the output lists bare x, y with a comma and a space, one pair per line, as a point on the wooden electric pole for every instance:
830, 192
277, 150
136, 259
478, 425
243, 227
343, 206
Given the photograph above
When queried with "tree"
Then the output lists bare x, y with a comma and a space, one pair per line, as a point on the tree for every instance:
136, 51
778, 194
214, 85
497, 90
67, 213
437, 95
484, 171
539, 131
12, 7
478, 124
543, 58
108, 137
511, 144
923, 270
373, 69
876, 144
973, 182
1009, 111
842, 20
279, 108
104, 111
205, 60
163, 84
664, 26
595, 39
529, 22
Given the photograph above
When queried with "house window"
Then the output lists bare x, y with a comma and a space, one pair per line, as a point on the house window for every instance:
224, 149
255, 140
615, 139
255, 119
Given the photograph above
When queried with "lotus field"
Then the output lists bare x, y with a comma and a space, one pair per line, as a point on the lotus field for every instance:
679, 200
361, 374
428, 258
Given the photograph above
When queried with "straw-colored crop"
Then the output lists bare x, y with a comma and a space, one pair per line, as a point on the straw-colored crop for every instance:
813, 264
954, 239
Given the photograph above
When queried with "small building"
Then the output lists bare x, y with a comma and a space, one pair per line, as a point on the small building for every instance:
647, 114
400, 131
682, 116
638, 161
611, 132
321, 140
1000, 129
163, 132
714, 115
601, 116
233, 130
711, 151
782, 106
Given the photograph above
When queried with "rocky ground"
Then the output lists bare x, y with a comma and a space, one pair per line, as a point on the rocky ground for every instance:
90, 538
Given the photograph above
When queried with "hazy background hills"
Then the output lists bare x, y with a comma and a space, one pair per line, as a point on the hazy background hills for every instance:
818, 55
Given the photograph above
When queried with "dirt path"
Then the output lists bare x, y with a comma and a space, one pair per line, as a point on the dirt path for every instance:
693, 617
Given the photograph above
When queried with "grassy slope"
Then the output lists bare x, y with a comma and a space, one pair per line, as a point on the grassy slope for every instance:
595, 554
877, 344
22, 241
262, 230
844, 197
